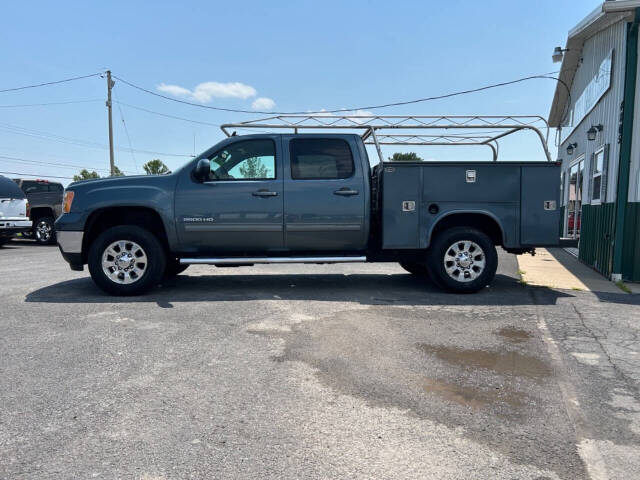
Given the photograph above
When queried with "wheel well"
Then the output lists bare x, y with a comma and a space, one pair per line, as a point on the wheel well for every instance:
103, 219
481, 221
39, 212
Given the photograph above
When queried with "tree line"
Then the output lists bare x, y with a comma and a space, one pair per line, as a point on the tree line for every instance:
152, 167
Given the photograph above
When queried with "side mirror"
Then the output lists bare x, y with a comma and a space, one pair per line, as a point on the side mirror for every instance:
203, 169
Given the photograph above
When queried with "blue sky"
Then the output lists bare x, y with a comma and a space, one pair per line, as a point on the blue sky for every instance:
302, 55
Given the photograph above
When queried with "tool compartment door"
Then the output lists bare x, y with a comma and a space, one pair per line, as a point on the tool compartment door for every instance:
540, 205
401, 199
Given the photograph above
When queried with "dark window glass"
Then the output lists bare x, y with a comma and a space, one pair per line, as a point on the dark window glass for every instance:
9, 188
55, 187
31, 186
246, 160
320, 158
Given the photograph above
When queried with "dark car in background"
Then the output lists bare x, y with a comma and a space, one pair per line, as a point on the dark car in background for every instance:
45, 199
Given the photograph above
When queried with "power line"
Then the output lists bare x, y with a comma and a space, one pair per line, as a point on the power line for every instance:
70, 102
167, 115
343, 110
74, 141
37, 176
50, 83
57, 164
126, 131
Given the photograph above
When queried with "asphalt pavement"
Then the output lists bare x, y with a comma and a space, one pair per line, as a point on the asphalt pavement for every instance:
312, 371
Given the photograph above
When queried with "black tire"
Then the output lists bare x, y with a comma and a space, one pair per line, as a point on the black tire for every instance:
148, 243
461, 279
4, 241
44, 232
173, 268
419, 269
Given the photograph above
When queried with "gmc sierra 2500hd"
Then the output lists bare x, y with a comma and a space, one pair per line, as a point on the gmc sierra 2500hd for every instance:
313, 198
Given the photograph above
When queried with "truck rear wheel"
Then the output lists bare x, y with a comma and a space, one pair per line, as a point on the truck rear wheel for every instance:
44, 231
414, 268
462, 260
126, 260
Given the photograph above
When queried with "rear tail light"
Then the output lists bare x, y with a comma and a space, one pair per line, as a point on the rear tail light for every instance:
28, 210
68, 199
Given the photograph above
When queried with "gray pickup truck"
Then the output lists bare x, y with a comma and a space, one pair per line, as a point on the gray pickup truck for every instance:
45, 199
310, 198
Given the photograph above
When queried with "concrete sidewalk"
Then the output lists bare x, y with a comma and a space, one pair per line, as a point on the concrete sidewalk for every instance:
555, 268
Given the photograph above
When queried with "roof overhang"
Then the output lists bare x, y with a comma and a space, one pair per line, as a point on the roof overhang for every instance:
602, 17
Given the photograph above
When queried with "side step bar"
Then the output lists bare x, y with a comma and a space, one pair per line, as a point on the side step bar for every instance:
249, 260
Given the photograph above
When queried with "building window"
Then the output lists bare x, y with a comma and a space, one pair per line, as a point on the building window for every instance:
599, 167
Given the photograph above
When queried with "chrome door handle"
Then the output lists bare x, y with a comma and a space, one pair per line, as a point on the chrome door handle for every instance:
346, 192
264, 193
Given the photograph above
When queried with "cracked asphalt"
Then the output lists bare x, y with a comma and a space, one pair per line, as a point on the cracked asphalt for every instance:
304, 371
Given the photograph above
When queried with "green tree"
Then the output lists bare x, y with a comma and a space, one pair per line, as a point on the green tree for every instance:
405, 157
156, 167
85, 175
253, 168
117, 172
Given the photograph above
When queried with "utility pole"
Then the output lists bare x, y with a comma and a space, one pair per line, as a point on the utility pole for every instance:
110, 84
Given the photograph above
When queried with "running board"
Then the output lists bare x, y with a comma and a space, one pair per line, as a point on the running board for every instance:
249, 260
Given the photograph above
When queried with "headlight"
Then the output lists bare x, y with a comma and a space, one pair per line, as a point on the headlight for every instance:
68, 199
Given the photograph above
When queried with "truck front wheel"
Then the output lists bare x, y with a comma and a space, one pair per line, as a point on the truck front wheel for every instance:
126, 260
462, 260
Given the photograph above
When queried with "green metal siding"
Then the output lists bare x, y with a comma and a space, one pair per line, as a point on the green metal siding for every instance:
631, 253
596, 236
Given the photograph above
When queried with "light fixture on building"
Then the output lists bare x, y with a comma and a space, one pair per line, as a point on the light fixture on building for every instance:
571, 147
592, 133
558, 54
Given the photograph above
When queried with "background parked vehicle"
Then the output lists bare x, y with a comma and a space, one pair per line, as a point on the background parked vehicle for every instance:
45, 199
14, 210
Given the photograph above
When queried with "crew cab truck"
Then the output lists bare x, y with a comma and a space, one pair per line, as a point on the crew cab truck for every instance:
309, 198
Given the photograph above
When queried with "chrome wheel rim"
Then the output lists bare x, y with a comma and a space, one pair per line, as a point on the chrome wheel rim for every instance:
464, 261
124, 262
43, 231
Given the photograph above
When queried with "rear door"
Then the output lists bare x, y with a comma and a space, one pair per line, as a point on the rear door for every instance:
324, 191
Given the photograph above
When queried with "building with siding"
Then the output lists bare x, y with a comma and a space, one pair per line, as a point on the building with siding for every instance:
596, 110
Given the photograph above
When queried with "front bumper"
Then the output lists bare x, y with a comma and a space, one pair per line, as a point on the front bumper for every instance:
8, 227
70, 244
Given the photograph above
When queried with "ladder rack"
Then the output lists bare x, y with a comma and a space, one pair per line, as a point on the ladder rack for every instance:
380, 129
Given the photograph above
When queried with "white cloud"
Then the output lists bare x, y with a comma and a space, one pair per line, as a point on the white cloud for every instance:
263, 103
174, 90
205, 92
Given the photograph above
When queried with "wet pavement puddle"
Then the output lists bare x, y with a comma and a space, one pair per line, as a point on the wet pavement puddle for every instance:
474, 397
514, 335
504, 362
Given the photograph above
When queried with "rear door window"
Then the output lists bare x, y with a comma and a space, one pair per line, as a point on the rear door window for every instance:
320, 158
31, 186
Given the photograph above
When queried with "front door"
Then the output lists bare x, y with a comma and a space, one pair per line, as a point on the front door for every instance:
324, 195
239, 208
573, 219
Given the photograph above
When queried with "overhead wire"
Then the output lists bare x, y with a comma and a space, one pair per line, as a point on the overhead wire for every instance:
12, 159
547, 76
70, 102
55, 82
37, 176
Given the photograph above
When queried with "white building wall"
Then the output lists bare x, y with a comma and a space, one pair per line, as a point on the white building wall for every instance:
607, 110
